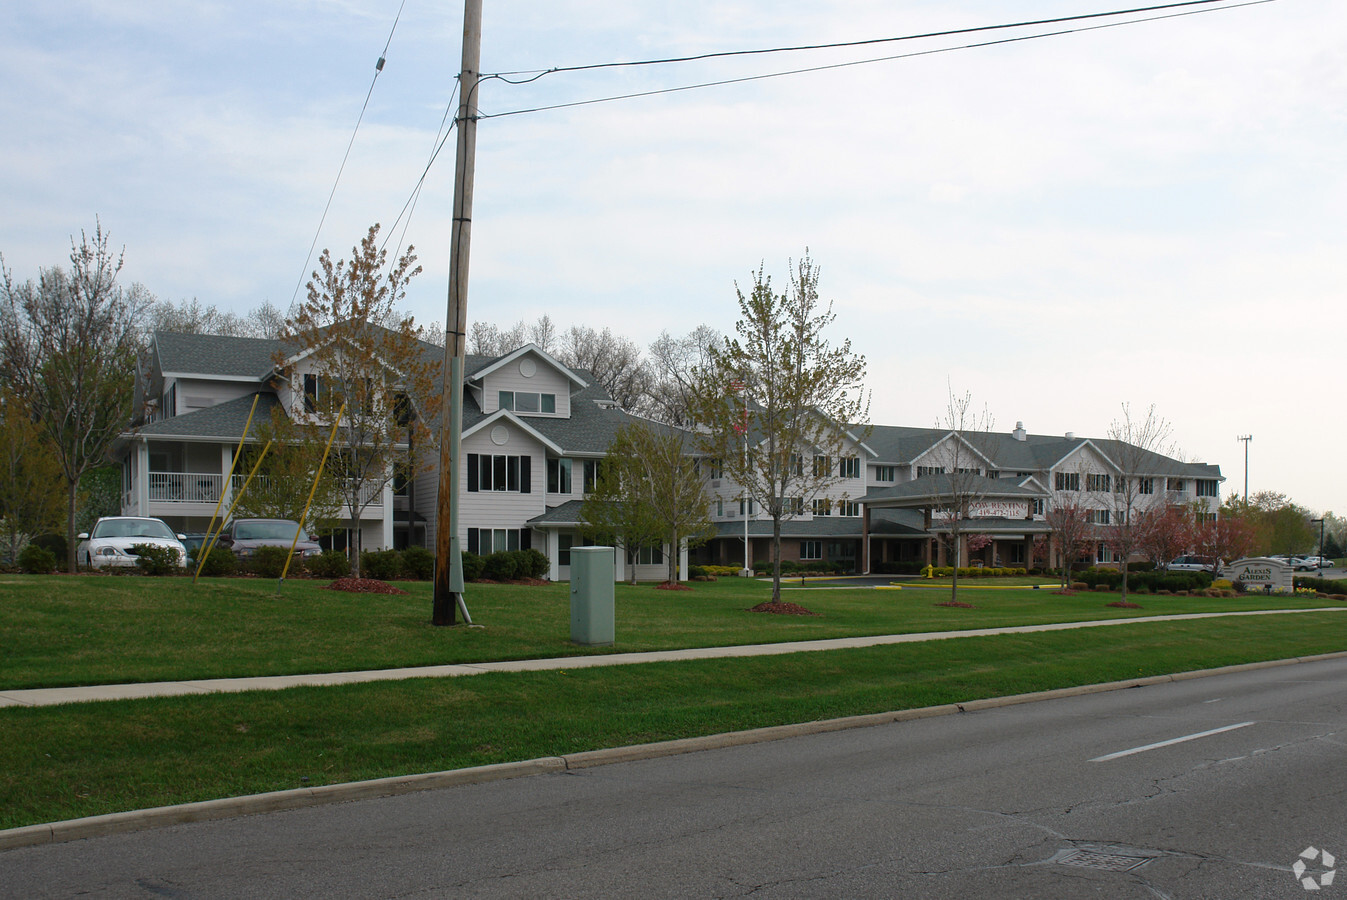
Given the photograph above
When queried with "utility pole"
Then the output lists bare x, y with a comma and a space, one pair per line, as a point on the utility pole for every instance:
448, 553
1246, 438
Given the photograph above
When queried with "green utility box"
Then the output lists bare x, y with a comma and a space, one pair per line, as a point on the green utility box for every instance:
592, 574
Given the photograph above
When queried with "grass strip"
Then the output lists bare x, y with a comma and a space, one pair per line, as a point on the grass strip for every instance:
60, 631
86, 759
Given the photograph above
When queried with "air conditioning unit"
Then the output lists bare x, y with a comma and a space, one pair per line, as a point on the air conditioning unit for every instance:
715, 482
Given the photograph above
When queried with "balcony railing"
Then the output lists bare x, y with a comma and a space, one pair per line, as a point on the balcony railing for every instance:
198, 487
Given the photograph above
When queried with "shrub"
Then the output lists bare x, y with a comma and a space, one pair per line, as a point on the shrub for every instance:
721, 570
1079, 586
698, 572
53, 543
269, 562
501, 566
472, 566
418, 563
1322, 585
36, 560
533, 564
384, 565
329, 564
219, 563
153, 559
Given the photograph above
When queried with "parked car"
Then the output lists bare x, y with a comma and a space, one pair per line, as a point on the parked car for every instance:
244, 536
193, 540
1193, 564
1320, 562
1304, 563
112, 541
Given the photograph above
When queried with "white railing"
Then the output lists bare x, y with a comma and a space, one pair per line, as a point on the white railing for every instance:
185, 487
370, 494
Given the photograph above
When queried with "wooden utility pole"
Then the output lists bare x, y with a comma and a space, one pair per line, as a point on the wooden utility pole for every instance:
448, 552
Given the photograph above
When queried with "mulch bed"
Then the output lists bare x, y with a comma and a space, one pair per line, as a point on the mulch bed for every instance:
955, 603
1121, 605
781, 608
363, 586
671, 586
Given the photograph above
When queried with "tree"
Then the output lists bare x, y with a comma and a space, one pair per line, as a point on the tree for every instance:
30, 477
285, 479
68, 347
1280, 526
365, 358
1134, 444
1072, 530
651, 493
962, 480
193, 317
615, 362
1165, 532
803, 394
673, 362
1225, 538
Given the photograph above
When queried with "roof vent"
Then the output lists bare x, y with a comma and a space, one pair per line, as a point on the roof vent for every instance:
1019, 433
1070, 435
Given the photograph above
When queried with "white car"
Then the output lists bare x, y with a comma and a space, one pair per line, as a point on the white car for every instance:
1319, 562
113, 538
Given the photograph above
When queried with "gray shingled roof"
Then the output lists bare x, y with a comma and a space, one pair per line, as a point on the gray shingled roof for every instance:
936, 487
214, 355
225, 420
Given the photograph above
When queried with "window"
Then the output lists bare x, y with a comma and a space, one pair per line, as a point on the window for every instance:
1038, 507
720, 507
849, 467
650, 556
751, 510
564, 542
966, 470
821, 465
558, 476
717, 469
848, 508
1097, 482
1099, 516
792, 506
487, 472
823, 507
797, 464
884, 473
923, 471
593, 470
1144, 485
1207, 487
484, 541
313, 390
1177, 486
1068, 481
528, 402
811, 549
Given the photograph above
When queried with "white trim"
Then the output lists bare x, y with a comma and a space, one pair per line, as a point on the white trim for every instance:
506, 414
512, 356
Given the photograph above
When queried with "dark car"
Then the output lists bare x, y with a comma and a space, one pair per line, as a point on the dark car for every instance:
244, 536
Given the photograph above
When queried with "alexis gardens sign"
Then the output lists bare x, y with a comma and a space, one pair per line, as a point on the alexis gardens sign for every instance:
991, 509
1261, 573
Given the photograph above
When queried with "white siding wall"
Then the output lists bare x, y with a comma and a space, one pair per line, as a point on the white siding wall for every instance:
502, 509
193, 394
545, 380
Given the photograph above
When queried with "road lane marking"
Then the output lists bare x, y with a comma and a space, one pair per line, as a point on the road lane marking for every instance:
1177, 740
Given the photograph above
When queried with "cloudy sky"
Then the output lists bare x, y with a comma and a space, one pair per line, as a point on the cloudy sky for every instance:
1146, 214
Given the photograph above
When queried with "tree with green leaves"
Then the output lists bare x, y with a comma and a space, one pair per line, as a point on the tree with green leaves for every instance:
30, 477
779, 394
649, 493
68, 351
350, 350
285, 479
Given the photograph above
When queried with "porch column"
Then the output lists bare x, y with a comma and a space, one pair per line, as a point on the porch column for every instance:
865, 540
683, 561
388, 516
552, 547
142, 491
226, 482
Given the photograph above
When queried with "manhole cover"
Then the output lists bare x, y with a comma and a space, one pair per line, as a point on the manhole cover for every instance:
1100, 859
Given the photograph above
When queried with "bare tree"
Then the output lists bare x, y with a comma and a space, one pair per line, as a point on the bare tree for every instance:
265, 321
615, 362
963, 480
805, 395
1135, 444
673, 360
366, 358
68, 346
1072, 530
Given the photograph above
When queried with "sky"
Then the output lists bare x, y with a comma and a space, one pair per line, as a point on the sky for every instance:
1145, 214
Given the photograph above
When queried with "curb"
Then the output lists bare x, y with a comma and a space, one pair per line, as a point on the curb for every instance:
301, 798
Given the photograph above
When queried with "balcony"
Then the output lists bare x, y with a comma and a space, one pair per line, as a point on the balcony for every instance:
205, 487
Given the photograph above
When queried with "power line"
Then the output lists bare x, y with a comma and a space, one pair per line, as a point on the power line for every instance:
409, 208
859, 62
538, 73
378, 68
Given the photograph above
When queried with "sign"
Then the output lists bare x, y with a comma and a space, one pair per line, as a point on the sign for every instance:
991, 509
1262, 573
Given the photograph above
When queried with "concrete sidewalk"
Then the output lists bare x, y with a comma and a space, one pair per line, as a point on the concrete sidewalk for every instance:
93, 693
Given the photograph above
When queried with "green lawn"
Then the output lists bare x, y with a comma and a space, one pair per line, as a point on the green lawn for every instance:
84, 759
73, 630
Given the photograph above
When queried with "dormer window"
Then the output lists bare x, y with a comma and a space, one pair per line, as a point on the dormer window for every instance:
528, 402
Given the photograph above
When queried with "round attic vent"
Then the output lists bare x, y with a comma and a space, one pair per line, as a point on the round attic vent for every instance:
528, 368
500, 435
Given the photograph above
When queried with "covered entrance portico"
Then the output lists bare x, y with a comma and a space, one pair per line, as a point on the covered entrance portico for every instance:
995, 519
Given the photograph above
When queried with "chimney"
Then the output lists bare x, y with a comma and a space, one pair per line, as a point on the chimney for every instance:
1019, 433
1070, 435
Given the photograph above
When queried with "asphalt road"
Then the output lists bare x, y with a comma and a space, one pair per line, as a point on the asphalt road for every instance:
1062, 798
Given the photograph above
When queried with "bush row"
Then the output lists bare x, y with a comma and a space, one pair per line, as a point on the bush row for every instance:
1146, 582
1332, 586
791, 567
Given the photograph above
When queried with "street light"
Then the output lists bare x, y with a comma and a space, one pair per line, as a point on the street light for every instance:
1320, 556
